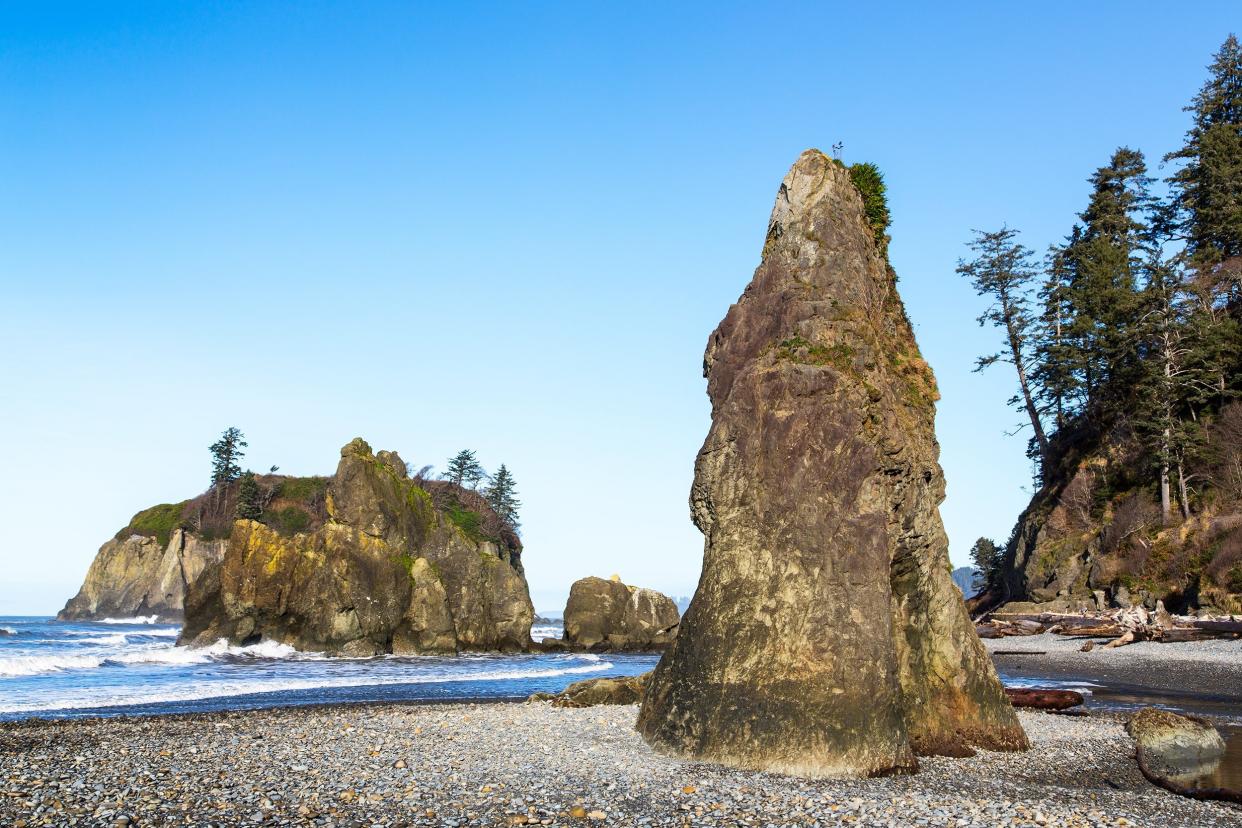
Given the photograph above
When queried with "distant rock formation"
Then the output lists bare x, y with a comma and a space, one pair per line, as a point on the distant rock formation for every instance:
964, 578
387, 571
826, 637
142, 575
608, 614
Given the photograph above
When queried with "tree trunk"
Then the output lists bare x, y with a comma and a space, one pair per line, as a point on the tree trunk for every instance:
1015, 348
1166, 508
1181, 491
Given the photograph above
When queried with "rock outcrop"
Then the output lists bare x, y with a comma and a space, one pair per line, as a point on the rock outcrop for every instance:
591, 692
387, 572
608, 614
1094, 535
142, 575
826, 637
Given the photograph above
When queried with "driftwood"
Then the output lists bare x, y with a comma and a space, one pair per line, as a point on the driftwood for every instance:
1121, 626
1040, 699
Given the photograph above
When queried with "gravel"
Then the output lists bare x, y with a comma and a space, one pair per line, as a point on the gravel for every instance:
505, 764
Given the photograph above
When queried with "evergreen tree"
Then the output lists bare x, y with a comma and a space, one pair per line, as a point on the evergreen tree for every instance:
501, 495
249, 498
986, 557
464, 469
1098, 296
226, 456
1003, 271
1207, 188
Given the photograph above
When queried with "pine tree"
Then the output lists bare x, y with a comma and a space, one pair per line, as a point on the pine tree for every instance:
464, 470
1003, 271
986, 556
1207, 188
226, 456
249, 498
1097, 294
501, 495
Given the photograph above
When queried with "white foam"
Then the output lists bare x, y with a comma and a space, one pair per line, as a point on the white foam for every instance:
212, 690
35, 665
136, 620
8, 630
32, 665
113, 640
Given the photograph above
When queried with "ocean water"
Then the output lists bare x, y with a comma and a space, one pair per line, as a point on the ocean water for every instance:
131, 666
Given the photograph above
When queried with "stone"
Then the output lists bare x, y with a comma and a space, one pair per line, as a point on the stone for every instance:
826, 637
387, 572
590, 692
1179, 753
609, 614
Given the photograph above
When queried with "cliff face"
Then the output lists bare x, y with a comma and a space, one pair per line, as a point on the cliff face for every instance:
616, 616
826, 637
1095, 533
135, 574
386, 572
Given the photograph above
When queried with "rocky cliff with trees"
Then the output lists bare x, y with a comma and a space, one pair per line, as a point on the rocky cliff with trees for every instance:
1125, 342
370, 560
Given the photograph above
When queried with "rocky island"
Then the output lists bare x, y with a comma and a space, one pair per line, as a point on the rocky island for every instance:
368, 561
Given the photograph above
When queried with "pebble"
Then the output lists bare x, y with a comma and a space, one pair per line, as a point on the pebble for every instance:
459, 766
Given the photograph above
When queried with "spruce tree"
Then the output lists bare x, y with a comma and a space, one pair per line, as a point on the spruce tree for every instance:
1003, 270
464, 470
1098, 279
501, 495
986, 557
249, 498
1207, 188
226, 456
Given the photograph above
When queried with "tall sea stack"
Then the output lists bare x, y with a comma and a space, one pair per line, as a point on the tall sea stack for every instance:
826, 637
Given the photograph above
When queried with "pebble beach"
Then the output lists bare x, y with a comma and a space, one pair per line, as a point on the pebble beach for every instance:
530, 763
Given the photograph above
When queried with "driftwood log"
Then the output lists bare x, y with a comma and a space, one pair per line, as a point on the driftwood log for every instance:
1121, 626
1041, 699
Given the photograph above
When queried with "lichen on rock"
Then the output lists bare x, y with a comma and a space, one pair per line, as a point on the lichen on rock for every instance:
826, 637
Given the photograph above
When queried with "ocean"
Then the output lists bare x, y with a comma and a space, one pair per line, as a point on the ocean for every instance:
128, 666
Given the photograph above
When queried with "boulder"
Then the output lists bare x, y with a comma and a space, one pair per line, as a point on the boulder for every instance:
608, 614
588, 693
1180, 753
387, 572
826, 637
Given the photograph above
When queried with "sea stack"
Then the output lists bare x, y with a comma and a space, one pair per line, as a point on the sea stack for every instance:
826, 637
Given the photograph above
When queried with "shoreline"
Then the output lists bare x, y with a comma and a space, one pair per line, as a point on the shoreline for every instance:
1203, 677
418, 764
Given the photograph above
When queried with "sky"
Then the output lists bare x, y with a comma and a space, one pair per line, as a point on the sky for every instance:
509, 227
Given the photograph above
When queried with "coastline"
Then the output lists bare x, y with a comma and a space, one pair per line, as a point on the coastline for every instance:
1203, 677
492, 764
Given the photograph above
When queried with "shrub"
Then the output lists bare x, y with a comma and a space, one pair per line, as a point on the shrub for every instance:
303, 489
291, 519
158, 522
869, 182
467, 520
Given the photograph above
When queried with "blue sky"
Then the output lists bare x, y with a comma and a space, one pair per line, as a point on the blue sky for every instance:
509, 227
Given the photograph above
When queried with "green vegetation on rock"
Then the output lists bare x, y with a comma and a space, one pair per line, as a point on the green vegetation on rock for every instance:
158, 522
